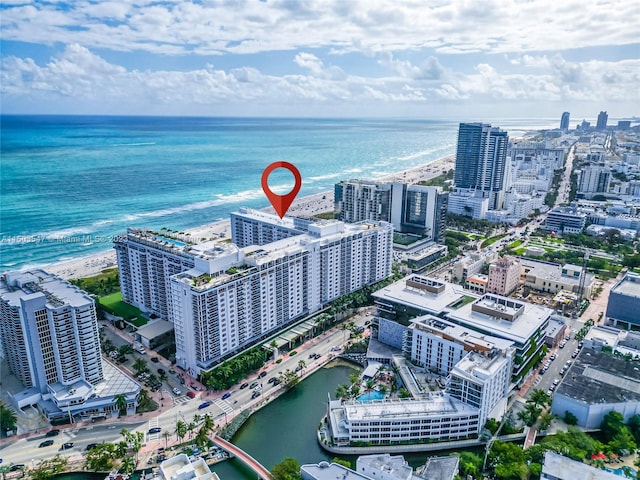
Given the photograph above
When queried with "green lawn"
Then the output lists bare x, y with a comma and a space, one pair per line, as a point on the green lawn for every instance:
113, 304
491, 240
520, 251
515, 244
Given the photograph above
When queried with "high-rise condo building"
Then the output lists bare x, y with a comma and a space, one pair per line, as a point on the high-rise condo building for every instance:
564, 121
255, 227
415, 209
49, 334
238, 296
481, 164
602, 121
594, 178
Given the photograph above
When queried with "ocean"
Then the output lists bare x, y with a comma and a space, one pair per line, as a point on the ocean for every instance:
68, 184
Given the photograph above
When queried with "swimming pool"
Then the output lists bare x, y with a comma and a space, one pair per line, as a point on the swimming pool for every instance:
370, 396
177, 243
621, 472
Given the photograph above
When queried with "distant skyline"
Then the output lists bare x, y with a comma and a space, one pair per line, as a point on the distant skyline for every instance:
466, 60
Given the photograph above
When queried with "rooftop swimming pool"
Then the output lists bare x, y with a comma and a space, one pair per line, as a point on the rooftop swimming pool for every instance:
177, 243
370, 396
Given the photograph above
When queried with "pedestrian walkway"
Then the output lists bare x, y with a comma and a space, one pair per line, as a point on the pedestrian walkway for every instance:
223, 405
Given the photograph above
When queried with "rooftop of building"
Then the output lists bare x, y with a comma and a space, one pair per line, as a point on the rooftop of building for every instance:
155, 329
458, 333
475, 366
17, 284
392, 466
439, 404
553, 271
597, 377
440, 468
527, 318
180, 467
266, 217
563, 468
628, 286
114, 382
331, 471
423, 293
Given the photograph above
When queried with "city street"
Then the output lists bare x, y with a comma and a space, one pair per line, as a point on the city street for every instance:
327, 345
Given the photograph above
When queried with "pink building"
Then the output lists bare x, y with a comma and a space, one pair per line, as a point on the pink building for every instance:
504, 276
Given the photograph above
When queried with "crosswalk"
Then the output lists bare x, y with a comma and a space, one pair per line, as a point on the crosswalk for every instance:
181, 400
153, 423
223, 405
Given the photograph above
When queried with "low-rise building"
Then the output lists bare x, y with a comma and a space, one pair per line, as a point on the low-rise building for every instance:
558, 467
552, 278
623, 306
595, 384
478, 283
565, 220
181, 467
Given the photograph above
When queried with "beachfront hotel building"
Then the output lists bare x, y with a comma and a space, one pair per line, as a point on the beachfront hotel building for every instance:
256, 227
414, 209
50, 340
477, 389
481, 170
146, 261
235, 297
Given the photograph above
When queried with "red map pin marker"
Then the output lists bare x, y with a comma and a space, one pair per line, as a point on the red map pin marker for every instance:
281, 203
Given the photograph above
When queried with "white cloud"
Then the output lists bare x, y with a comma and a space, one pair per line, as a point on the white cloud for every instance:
173, 28
82, 80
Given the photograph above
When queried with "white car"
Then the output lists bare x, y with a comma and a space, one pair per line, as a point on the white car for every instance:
177, 391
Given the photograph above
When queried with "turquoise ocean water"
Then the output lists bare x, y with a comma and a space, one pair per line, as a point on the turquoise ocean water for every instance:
69, 183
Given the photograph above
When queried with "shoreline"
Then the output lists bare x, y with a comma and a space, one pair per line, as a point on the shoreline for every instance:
308, 205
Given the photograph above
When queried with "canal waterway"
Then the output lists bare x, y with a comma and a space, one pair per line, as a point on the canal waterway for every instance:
287, 426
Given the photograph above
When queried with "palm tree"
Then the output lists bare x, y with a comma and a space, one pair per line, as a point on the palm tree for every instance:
140, 366
370, 384
143, 398
166, 436
181, 430
538, 397
354, 378
136, 443
208, 423
128, 465
190, 428
302, 364
202, 438
342, 391
121, 403
8, 418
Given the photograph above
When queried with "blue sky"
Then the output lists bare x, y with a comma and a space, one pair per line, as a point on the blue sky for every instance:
408, 58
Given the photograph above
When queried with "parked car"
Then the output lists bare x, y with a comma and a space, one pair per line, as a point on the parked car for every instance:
161, 371
243, 386
155, 359
52, 433
552, 357
203, 405
16, 467
155, 430
262, 374
226, 395
46, 443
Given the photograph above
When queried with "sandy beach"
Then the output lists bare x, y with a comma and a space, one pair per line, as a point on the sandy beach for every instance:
304, 206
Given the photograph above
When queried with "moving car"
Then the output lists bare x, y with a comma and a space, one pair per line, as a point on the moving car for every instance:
155, 430
244, 385
253, 385
190, 394
91, 446
256, 393
46, 443
203, 405
161, 371
52, 433
66, 446
177, 391
226, 395
262, 374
